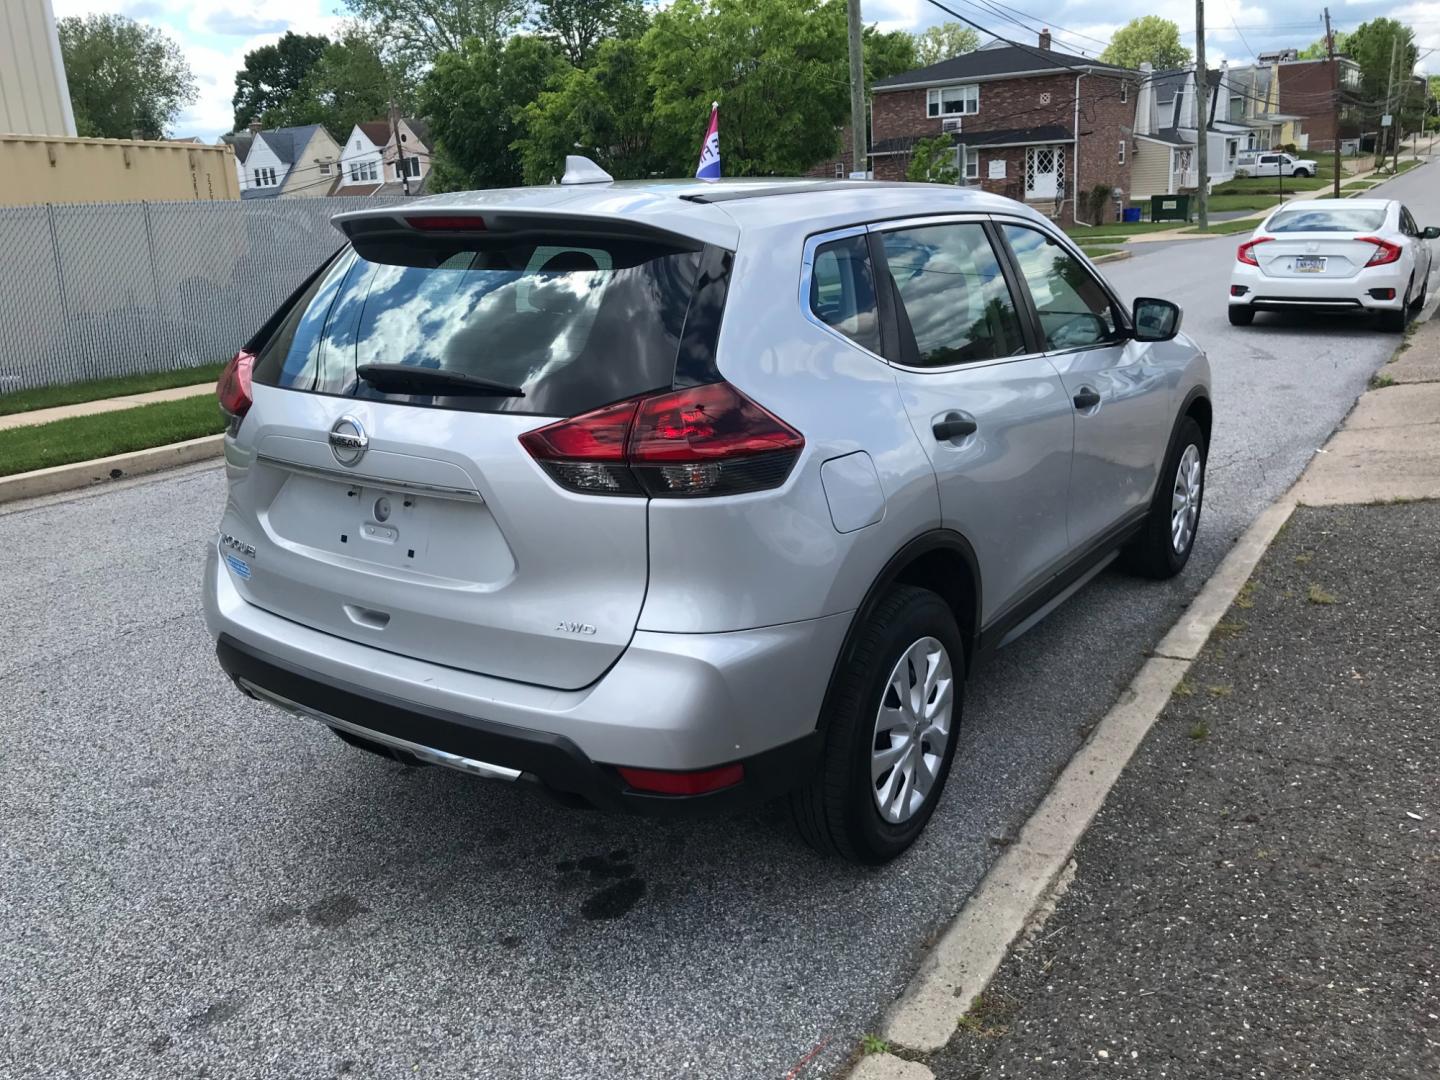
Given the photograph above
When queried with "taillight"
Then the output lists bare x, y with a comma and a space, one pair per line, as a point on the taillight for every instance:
233, 389
1246, 252
701, 441
435, 223
1385, 251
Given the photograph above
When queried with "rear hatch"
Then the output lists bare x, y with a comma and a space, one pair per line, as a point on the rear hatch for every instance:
1319, 243
390, 500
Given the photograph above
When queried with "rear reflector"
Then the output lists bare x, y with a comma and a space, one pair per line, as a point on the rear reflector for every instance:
233, 389
660, 782
1382, 294
701, 441
447, 224
1385, 251
1238, 290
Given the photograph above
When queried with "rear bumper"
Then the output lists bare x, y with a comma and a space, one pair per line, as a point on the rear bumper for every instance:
1354, 294
672, 701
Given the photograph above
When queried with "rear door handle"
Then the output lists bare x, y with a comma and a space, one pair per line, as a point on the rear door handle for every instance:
1086, 398
953, 426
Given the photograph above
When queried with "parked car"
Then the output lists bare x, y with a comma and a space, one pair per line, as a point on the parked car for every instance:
1275, 164
1365, 256
675, 496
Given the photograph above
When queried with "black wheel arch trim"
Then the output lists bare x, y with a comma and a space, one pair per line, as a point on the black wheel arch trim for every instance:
947, 540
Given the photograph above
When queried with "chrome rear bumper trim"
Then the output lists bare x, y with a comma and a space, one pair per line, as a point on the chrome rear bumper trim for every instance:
424, 753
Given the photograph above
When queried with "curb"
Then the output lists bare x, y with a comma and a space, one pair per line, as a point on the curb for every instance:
1112, 256
29, 485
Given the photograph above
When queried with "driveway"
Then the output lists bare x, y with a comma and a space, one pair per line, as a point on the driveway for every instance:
194, 884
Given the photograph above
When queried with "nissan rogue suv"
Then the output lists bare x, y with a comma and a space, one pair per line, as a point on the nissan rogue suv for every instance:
676, 496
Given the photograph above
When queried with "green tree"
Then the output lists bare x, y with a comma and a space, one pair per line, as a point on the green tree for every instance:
125, 77
417, 32
1148, 39
606, 109
348, 84
778, 69
273, 76
936, 43
476, 102
1370, 46
933, 162
577, 27
1316, 49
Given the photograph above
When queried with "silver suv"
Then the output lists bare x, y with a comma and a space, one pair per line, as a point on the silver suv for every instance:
676, 496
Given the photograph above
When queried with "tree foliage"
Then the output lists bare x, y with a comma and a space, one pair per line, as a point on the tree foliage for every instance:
125, 77
936, 43
348, 84
933, 161
1316, 50
475, 100
1147, 39
417, 32
778, 69
273, 77
577, 27
1370, 46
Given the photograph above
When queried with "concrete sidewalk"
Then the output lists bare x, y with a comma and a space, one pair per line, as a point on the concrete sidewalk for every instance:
90, 408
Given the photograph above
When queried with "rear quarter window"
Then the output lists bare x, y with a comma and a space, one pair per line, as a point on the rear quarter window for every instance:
572, 325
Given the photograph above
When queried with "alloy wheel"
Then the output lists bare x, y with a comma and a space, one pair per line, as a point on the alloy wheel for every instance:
1185, 501
912, 730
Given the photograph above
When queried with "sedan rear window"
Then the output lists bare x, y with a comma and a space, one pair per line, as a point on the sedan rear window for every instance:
1346, 219
550, 328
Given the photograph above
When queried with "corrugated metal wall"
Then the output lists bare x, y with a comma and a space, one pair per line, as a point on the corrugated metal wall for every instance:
94, 290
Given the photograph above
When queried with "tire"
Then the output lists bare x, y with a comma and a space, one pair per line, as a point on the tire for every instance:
1156, 552
1301, 174
1394, 321
839, 811
1241, 315
1419, 301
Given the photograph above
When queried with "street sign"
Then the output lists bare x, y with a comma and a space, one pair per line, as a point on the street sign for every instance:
1385, 120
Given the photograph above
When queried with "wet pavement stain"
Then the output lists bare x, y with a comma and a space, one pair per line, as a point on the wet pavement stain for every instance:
614, 900
333, 911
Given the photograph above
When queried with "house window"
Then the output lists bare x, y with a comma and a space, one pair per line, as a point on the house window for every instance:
1120, 157
412, 166
371, 173
324, 168
1124, 92
354, 171
265, 177
952, 101
971, 163
839, 170
357, 144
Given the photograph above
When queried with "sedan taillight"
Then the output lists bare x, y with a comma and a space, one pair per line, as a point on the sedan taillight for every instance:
1385, 251
1246, 252
703, 440
233, 389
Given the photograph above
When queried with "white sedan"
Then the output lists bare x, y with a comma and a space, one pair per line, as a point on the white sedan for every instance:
1362, 255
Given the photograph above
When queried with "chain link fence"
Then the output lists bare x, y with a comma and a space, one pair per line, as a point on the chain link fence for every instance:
96, 290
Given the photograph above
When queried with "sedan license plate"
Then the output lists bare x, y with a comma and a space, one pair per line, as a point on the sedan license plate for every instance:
1310, 264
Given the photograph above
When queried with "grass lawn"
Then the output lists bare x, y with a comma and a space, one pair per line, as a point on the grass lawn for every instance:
1269, 185
1225, 227
49, 396
83, 438
1096, 250
1243, 202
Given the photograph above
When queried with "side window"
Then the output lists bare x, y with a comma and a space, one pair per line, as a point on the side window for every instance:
1074, 308
842, 290
951, 296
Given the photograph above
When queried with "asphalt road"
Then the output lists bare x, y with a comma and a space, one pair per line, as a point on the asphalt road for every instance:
193, 884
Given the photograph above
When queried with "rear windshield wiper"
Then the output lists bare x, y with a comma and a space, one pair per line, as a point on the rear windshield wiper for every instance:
409, 379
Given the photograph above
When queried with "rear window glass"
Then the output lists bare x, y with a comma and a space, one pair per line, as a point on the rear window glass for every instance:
571, 326
1349, 219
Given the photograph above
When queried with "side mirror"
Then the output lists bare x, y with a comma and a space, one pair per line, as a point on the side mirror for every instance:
1155, 320
1432, 233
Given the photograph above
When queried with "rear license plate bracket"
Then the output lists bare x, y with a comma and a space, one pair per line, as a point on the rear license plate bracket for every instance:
1310, 264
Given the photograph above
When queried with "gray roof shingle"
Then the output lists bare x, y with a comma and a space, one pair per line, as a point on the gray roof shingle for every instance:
988, 63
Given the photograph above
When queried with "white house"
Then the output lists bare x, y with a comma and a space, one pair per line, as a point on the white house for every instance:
290, 162
1167, 123
362, 161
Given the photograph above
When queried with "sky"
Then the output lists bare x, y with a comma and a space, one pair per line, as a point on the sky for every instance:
215, 36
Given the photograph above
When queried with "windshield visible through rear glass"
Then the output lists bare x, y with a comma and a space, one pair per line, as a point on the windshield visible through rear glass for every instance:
570, 326
1349, 219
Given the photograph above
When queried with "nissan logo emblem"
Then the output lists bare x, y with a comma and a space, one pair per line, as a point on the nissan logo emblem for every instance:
348, 440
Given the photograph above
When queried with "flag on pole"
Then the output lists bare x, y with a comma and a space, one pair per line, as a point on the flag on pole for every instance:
709, 168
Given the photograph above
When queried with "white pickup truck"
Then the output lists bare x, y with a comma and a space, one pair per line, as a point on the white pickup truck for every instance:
1266, 163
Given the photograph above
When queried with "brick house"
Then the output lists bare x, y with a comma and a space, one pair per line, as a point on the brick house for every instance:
1030, 123
1307, 91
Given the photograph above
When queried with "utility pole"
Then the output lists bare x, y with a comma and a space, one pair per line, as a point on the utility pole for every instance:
399, 150
859, 137
1335, 91
1389, 95
1202, 106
